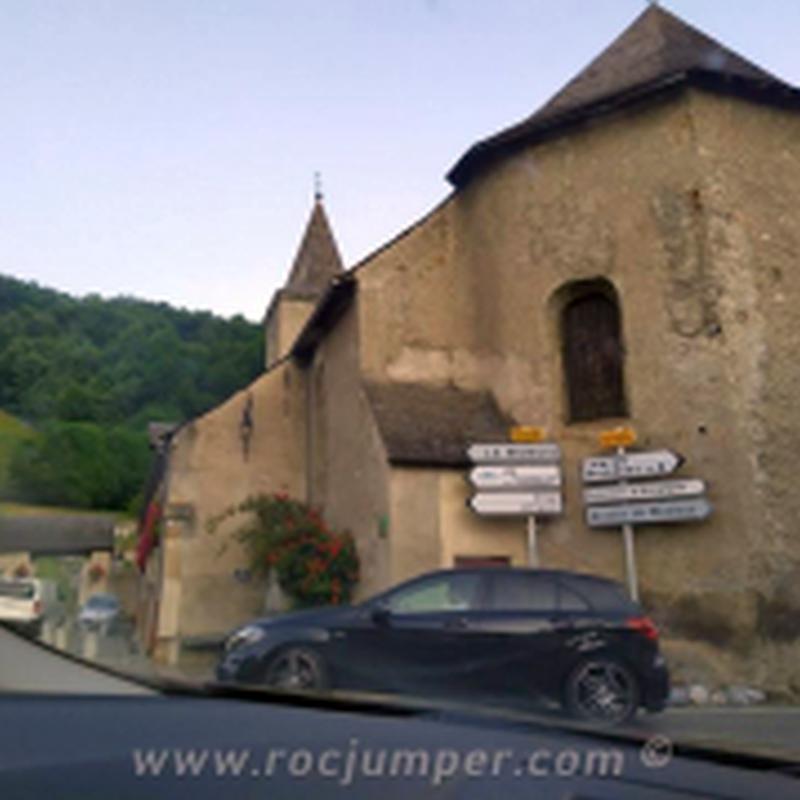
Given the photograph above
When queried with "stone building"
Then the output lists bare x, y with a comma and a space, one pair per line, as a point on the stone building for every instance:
627, 254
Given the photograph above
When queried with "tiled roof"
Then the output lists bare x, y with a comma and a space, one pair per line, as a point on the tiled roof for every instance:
426, 425
656, 51
56, 533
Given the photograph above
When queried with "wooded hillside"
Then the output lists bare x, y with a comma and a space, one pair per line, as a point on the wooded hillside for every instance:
87, 375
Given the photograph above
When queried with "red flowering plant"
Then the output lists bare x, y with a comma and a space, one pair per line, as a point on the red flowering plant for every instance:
96, 572
315, 566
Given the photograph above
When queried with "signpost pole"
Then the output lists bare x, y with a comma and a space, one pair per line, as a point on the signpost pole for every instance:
533, 545
630, 554
630, 562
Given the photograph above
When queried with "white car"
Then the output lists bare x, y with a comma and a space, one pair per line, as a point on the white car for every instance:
21, 604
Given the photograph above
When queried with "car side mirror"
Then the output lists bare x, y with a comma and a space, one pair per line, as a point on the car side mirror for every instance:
380, 615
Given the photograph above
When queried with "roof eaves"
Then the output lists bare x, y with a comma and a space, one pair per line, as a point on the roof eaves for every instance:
533, 131
428, 462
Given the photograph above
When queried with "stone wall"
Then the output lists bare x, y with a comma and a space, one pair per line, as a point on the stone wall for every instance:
347, 460
689, 208
215, 464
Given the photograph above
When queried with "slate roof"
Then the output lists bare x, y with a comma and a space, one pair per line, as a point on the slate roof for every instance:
317, 261
656, 52
56, 534
432, 426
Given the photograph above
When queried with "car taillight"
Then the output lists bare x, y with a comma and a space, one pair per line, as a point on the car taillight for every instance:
645, 626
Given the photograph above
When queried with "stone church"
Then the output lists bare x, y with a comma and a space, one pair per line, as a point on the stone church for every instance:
628, 254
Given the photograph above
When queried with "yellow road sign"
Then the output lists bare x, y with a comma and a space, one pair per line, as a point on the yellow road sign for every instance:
618, 437
526, 434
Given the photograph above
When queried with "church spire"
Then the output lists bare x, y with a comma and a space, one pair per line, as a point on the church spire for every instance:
317, 260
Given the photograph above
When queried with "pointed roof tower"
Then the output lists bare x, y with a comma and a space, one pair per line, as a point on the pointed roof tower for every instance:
315, 269
658, 51
317, 261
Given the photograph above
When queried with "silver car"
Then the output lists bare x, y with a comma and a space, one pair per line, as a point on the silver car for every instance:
99, 612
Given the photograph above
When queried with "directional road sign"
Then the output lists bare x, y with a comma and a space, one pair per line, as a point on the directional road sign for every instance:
516, 504
542, 453
648, 513
516, 477
648, 490
650, 464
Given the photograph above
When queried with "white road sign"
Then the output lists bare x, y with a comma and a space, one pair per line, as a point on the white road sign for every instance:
541, 453
516, 477
516, 504
648, 513
652, 464
648, 490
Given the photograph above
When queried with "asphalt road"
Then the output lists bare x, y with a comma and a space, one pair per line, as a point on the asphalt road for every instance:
26, 666
770, 730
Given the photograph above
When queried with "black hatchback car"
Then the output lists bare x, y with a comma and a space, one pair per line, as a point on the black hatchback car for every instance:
489, 633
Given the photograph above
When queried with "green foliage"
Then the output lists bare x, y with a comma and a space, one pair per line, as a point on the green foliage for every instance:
12, 433
116, 361
91, 373
315, 566
80, 464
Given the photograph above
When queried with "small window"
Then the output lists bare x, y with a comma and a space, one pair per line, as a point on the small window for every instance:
441, 593
523, 593
593, 354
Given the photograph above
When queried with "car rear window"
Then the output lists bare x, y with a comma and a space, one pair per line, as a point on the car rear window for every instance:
102, 601
602, 595
17, 589
523, 593
570, 600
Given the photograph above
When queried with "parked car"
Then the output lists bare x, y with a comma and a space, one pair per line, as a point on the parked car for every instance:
100, 612
574, 639
21, 604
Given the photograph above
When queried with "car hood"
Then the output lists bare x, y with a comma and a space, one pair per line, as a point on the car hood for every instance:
325, 615
96, 613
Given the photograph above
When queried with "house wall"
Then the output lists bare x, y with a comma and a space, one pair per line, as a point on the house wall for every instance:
284, 322
415, 527
417, 311
349, 475
751, 195
211, 470
663, 202
464, 533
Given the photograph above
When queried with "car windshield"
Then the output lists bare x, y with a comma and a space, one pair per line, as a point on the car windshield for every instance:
20, 590
101, 601
433, 352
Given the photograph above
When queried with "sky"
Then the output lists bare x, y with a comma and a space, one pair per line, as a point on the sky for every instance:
166, 149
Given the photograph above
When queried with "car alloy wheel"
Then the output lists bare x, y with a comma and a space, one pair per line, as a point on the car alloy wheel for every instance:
602, 690
296, 668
